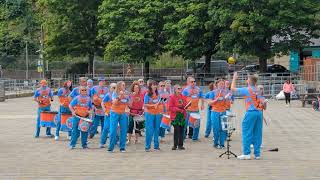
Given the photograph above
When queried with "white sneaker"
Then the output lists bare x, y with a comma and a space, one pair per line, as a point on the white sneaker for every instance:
56, 138
244, 157
257, 158
69, 137
287, 105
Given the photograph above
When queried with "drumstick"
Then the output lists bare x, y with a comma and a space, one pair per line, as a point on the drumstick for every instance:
86, 119
187, 105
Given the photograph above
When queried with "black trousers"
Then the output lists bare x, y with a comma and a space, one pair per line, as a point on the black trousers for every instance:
189, 132
178, 136
287, 97
139, 126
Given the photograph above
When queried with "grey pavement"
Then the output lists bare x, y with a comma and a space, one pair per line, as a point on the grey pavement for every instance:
295, 131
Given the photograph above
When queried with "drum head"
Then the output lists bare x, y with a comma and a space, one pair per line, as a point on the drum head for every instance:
195, 115
138, 118
166, 116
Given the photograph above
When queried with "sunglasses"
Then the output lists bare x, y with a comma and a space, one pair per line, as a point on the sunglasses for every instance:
83, 90
179, 88
192, 81
162, 86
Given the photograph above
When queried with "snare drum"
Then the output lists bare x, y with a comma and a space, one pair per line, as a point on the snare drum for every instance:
194, 120
228, 122
64, 118
165, 121
47, 118
84, 124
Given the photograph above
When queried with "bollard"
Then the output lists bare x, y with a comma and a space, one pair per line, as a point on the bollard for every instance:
2, 92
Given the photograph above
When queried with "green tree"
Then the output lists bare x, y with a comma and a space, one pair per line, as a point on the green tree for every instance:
18, 26
132, 30
71, 28
264, 28
190, 33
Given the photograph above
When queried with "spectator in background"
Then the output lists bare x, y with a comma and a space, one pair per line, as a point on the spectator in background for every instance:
288, 88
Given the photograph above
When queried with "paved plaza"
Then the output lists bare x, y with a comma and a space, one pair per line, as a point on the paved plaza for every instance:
295, 131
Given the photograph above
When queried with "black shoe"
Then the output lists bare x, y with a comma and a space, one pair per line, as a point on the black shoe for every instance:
181, 148
174, 148
206, 136
91, 136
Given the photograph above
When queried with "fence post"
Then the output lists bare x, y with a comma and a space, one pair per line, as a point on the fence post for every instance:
272, 91
2, 92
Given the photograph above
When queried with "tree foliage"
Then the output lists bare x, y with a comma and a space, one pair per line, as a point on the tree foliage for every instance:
190, 33
18, 25
71, 28
263, 28
132, 30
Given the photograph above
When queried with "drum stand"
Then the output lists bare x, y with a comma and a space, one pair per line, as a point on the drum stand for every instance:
229, 152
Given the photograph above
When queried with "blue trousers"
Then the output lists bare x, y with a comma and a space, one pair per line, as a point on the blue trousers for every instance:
122, 120
75, 133
162, 132
62, 109
105, 131
218, 134
97, 119
195, 135
152, 125
252, 132
48, 130
208, 124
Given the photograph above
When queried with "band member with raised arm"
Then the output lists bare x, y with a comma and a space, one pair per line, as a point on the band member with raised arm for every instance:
252, 121
194, 95
97, 93
119, 116
153, 116
64, 101
80, 107
43, 96
106, 106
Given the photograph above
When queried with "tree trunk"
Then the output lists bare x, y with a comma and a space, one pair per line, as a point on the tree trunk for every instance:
207, 63
90, 67
263, 64
146, 69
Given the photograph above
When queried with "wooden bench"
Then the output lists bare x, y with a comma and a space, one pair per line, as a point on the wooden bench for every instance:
304, 97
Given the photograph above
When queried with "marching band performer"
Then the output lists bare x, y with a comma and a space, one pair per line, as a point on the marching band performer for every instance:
106, 106
177, 102
193, 94
136, 108
80, 106
208, 124
164, 97
144, 90
89, 84
64, 101
119, 116
97, 93
218, 103
153, 116
42, 96
76, 92
252, 121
